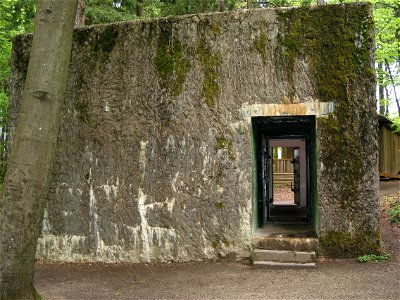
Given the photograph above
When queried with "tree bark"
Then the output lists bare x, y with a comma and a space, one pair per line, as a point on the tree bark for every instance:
248, 3
28, 175
393, 83
221, 5
381, 93
80, 14
139, 8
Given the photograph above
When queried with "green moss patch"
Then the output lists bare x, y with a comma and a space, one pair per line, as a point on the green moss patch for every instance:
82, 35
210, 62
101, 40
170, 61
342, 244
106, 39
335, 40
260, 44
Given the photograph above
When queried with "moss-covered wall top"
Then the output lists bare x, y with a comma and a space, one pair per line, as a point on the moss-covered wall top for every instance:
154, 159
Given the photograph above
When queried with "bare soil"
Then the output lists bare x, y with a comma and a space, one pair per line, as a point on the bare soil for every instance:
283, 196
332, 279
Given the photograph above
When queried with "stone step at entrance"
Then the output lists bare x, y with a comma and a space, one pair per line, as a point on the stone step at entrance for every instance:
285, 246
284, 258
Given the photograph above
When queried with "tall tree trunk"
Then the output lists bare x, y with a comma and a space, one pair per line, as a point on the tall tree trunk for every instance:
248, 3
381, 92
80, 14
139, 8
221, 5
30, 163
393, 83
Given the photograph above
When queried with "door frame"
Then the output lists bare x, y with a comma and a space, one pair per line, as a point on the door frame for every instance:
299, 143
283, 128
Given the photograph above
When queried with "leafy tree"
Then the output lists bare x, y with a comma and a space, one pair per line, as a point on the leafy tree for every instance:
28, 174
108, 11
16, 17
387, 55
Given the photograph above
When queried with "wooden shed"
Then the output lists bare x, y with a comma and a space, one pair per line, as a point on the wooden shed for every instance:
389, 150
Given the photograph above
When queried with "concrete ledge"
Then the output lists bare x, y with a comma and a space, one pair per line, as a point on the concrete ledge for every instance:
284, 256
280, 264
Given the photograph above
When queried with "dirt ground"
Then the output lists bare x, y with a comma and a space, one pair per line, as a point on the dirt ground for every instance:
332, 279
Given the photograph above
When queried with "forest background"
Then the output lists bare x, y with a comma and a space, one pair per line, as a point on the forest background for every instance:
17, 16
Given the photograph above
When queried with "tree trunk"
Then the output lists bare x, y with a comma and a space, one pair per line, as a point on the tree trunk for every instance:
221, 5
393, 83
320, 2
80, 14
30, 163
248, 3
139, 8
381, 92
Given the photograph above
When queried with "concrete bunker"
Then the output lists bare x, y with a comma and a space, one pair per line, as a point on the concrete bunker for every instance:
160, 152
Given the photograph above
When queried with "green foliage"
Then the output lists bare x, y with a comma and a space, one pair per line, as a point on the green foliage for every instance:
16, 16
3, 127
396, 124
394, 213
181, 7
377, 258
108, 11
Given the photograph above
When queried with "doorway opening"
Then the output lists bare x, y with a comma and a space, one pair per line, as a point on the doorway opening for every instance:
285, 150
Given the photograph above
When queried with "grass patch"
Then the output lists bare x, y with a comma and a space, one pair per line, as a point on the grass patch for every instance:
377, 258
390, 205
394, 213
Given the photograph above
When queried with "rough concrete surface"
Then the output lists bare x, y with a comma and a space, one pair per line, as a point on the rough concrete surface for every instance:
155, 159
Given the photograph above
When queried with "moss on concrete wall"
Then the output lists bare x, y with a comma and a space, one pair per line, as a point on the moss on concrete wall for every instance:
337, 41
170, 61
343, 244
155, 156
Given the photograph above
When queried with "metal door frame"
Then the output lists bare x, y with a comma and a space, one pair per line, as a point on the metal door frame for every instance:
283, 128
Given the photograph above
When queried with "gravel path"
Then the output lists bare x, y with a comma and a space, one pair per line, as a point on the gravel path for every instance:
345, 279
332, 279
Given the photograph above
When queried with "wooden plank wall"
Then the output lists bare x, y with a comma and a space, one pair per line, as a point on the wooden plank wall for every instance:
389, 152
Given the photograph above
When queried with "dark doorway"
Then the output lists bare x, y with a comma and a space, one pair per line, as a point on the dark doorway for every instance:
285, 148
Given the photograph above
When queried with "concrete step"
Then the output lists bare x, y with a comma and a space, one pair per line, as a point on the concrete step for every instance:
284, 256
283, 242
258, 264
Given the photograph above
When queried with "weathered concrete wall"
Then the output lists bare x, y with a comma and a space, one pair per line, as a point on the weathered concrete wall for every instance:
155, 154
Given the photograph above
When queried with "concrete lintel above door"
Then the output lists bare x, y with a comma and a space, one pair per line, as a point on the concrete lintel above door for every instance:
312, 108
